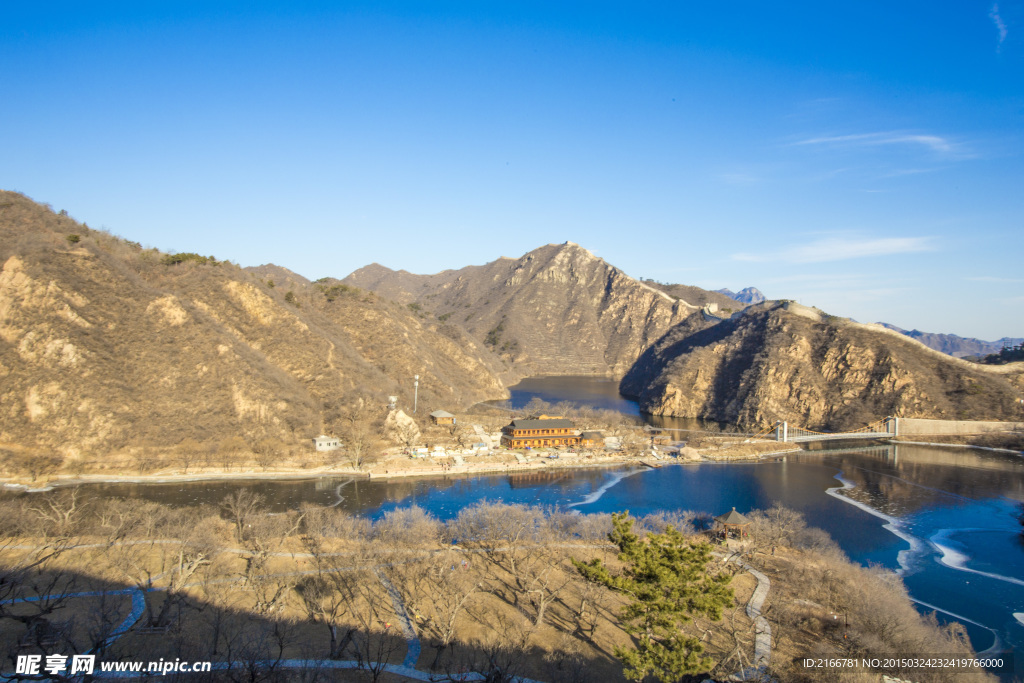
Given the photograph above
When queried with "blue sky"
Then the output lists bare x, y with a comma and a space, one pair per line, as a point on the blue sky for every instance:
862, 157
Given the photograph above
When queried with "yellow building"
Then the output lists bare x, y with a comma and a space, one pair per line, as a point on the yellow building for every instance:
536, 433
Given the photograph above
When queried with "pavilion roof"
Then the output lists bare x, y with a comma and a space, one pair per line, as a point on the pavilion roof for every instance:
733, 518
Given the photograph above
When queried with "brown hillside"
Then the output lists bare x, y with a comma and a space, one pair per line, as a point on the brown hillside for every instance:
105, 347
785, 362
558, 310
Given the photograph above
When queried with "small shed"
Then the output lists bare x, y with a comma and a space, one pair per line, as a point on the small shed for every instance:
734, 522
442, 417
591, 439
327, 443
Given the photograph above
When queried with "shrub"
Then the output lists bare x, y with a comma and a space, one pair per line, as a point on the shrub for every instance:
175, 259
73, 239
334, 291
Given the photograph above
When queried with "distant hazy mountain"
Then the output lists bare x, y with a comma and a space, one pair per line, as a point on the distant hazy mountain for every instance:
749, 295
958, 347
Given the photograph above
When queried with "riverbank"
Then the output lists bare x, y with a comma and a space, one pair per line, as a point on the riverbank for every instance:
398, 466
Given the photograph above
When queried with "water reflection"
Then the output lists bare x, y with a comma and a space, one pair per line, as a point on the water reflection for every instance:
596, 392
599, 393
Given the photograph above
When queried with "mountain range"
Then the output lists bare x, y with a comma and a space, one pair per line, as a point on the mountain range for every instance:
959, 347
106, 347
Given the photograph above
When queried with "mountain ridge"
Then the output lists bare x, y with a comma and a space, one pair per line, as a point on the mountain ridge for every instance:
558, 309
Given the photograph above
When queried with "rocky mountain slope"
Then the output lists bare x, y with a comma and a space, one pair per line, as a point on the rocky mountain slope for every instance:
782, 361
958, 347
107, 347
558, 310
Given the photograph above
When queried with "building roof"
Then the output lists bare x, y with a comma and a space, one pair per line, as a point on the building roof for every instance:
732, 517
441, 413
541, 424
592, 435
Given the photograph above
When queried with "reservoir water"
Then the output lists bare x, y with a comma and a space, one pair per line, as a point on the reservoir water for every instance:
595, 392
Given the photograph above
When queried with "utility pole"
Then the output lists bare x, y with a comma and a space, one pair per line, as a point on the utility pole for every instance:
416, 391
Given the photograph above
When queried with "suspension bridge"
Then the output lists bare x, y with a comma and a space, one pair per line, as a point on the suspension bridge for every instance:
783, 431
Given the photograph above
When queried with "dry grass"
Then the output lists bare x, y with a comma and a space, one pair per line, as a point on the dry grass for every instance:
237, 587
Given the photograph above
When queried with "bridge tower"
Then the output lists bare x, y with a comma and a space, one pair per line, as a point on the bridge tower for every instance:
781, 431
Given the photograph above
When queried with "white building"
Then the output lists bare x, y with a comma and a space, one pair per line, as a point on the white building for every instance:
327, 443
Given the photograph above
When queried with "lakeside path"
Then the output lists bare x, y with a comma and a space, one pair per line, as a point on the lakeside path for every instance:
502, 463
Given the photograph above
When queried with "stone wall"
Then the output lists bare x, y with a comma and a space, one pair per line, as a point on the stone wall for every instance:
916, 426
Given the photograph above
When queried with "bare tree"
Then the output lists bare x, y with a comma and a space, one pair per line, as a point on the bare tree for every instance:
241, 507
778, 525
408, 433
263, 537
503, 640
360, 426
188, 451
37, 579
509, 535
436, 590
185, 541
406, 528
60, 513
327, 596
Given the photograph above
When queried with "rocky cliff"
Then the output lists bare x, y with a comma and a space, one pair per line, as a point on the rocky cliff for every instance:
557, 310
787, 362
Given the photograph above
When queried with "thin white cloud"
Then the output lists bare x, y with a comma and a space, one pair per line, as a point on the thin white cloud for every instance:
934, 143
909, 171
839, 249
999, 24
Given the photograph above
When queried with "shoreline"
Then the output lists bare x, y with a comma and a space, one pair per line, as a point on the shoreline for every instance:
435, 469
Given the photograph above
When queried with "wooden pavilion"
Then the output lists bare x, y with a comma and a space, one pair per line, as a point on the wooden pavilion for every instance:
733, 521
